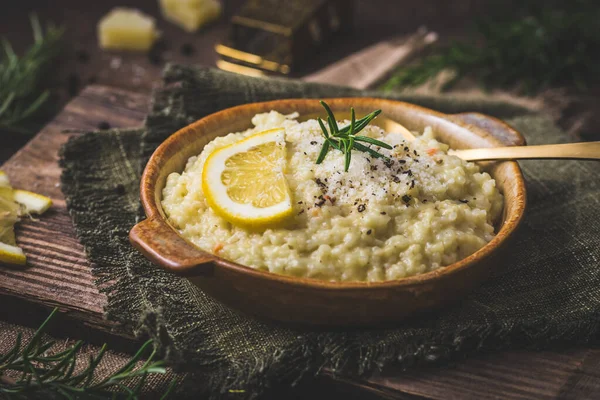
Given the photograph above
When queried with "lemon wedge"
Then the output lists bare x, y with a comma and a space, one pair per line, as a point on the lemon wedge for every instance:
244, 182
33, 203
9, 215
7, 231
13, 204
4, 182
10, 254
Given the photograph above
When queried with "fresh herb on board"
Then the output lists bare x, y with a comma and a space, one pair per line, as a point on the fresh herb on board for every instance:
345, 139
21, 92
528, 45
33, 370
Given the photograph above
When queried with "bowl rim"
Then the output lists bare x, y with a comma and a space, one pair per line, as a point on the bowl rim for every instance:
151, 208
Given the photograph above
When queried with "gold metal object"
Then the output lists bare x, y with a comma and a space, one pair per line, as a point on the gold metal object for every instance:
259, 62
274, 36
239, 69
574, 151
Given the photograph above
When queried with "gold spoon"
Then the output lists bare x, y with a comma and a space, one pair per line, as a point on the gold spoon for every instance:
574, 151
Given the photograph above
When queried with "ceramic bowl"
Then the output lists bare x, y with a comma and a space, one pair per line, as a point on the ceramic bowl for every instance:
309, 301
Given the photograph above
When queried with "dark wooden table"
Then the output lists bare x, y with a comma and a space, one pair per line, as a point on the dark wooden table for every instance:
556, 373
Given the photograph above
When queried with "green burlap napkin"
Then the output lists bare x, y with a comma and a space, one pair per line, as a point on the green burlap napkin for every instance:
547, 291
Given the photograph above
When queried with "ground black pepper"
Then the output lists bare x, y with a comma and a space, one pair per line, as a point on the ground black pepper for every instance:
361, 207
321, 184
320, 202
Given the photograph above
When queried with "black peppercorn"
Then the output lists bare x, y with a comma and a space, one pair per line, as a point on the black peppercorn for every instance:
103, 125
187, 49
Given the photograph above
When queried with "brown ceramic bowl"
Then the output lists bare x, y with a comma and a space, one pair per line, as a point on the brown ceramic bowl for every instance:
309, 301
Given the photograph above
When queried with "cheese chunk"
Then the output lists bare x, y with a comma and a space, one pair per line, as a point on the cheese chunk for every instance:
190, 14
127, 29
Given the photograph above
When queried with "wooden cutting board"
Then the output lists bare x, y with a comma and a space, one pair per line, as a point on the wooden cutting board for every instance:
58, 275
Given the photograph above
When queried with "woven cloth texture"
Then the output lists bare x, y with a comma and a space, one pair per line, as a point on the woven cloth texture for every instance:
546, 293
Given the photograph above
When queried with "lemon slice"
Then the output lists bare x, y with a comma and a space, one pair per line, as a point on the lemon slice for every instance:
10, 254
33, 203
9, 215
13, 204
4, 182
244, 182
7, 231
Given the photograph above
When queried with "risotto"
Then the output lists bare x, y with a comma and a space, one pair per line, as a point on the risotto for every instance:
383, 219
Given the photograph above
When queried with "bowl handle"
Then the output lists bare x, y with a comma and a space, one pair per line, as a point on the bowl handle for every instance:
154, 238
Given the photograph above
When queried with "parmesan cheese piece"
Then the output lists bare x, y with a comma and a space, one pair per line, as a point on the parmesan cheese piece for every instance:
190, 14
127, 29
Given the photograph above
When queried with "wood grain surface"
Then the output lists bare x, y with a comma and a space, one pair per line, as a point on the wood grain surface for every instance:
59, 275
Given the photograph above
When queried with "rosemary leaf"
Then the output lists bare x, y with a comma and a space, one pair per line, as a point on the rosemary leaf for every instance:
22, 94
323, 152
334, 143
45, 376
347, 160
362, 123
323, 128
373, 141
369, 150
352, 122
345, 139
330, 118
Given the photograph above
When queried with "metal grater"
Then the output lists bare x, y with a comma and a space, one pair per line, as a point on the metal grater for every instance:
275, 36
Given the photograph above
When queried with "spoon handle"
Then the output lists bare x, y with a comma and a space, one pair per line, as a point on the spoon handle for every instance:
580, 151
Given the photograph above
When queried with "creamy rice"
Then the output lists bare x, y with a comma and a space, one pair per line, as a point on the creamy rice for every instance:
378, 221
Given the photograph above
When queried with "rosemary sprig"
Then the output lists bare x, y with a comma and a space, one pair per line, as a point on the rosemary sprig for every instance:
345, 139
42, 374
527, 45
21, 96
